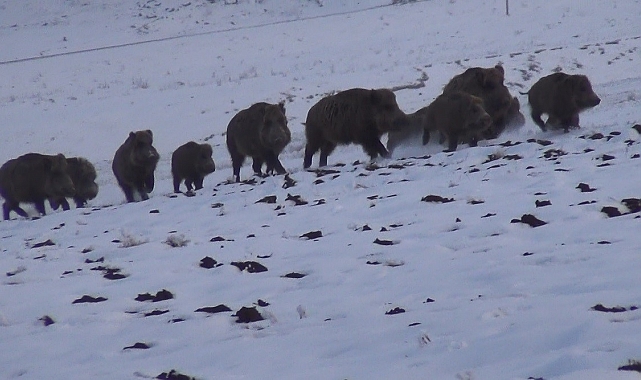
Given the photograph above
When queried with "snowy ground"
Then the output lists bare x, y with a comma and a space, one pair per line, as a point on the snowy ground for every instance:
392, 286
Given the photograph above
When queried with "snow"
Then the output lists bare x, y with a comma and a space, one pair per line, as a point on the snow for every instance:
484, 297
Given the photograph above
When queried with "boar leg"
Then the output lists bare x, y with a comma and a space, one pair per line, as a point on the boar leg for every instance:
189, 183
373, 146
149, 183
310, 150
325, 151
177, 181
61, 202
80, 202
198, 182
128, 190
8, 206
257, 165
452, 142
273, 163
536, 116
426, 136
40, 206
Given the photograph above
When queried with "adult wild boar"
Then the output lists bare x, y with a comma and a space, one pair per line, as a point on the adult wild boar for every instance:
561, 97
33, 178
487, 84
191, 162
458, 116
134, 165
358, 116
260, 132
83, 175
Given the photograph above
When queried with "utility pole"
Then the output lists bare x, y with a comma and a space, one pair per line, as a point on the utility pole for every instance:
507, 7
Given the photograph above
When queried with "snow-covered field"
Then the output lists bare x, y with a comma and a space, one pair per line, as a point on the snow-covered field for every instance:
390, 286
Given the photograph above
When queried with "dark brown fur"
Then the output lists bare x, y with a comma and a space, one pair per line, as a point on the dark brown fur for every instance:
458, 116
562, 97
134, 164
83, 175
33, 178
356, 116
487, 84
260, 132
191, 162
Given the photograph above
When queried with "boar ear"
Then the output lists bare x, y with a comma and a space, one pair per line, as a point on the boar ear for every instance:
151, 134
500, 68
281, 105
132, 134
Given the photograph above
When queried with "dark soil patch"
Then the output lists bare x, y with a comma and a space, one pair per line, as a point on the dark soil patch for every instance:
249, 266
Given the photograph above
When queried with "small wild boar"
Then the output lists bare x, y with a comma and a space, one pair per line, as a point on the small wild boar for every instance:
83, 175
458, 116
33, 178
487, 84
562, 97
358, 116
134, 164
191, 162
260, 132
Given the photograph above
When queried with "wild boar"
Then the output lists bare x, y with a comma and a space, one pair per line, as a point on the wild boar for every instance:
488, 84
33, 178
457, 116
134, 164
358, 116
260, 132
191, 162
83, 174
561, 97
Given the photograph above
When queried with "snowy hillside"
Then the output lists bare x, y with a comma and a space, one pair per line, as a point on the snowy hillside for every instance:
517, 259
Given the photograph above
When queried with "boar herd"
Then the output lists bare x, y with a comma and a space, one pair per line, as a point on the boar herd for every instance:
475, 105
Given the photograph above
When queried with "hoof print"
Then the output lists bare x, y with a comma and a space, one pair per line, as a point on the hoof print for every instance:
384, 242
530, 220
585, 188
156, 312
289, 182
312, 235
249, 266
45, 243
174, 375
297, 199
611, 212
268, 199
615, 309
633, 365
137, 346
542, 203
394, 311
89, 299
161, 295
248, 315
47, 320
213, 309
540, 142
208, 263
294, 275
436, 199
